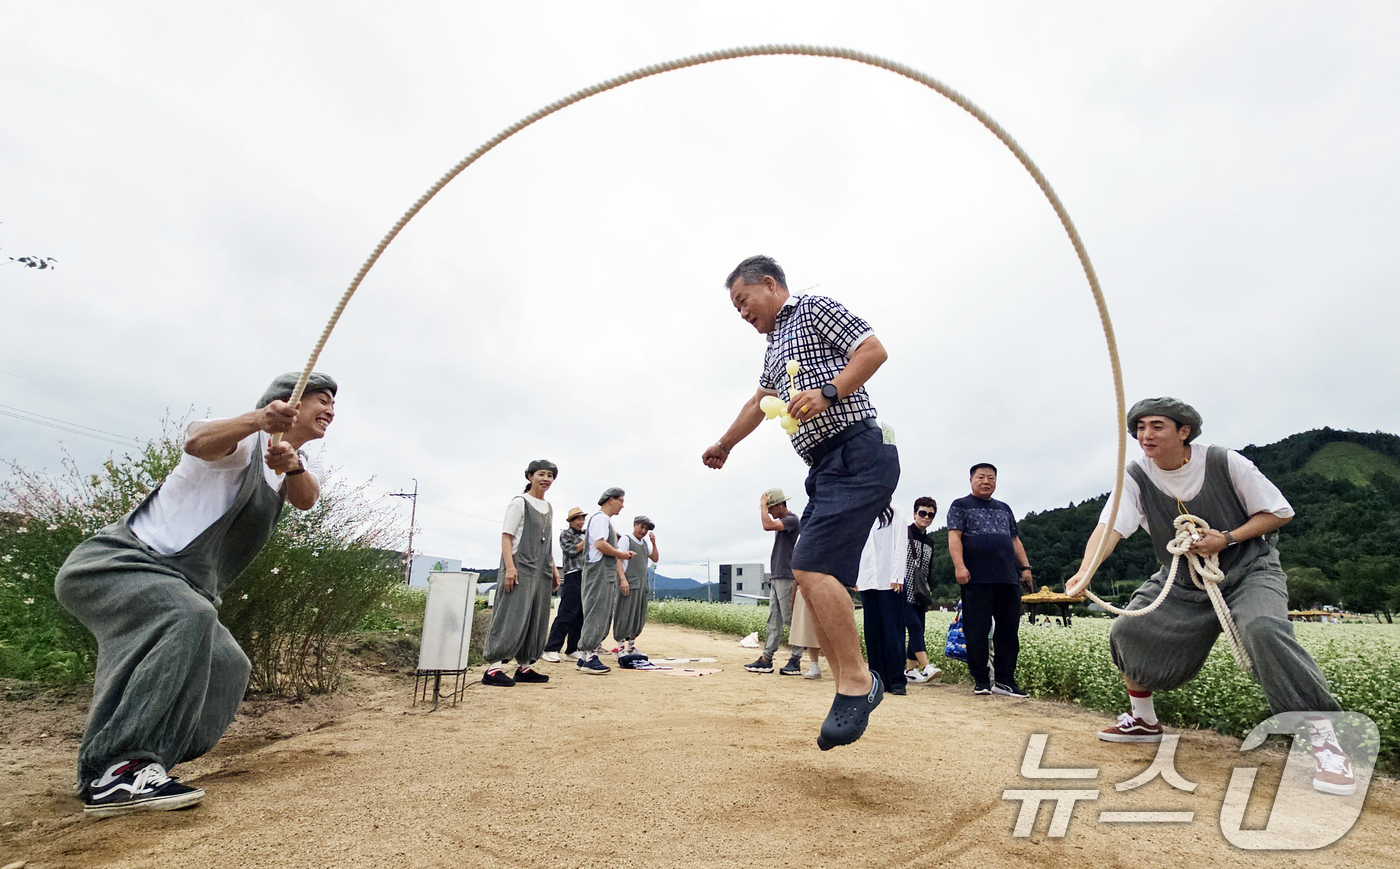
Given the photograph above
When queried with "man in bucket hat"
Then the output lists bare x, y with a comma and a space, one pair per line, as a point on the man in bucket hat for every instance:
564, 633
169, 674
1166, 648
773, 512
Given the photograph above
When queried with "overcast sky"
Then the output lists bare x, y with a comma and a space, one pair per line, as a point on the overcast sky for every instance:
209, 176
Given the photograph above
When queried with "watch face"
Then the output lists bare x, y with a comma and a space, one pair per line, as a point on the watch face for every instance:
829, 392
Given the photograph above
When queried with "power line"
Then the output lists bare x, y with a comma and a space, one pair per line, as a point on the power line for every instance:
66, 426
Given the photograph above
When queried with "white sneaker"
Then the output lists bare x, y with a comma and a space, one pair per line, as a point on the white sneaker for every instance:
551, 657
915, 675
814, 671
577, 656
932, 672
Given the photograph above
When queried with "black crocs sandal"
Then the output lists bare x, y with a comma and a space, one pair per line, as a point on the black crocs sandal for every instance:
846, 721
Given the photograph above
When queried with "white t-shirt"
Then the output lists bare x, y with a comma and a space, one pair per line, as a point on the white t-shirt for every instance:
515, 517
883, 562
598, 526
197, 493
1255, 490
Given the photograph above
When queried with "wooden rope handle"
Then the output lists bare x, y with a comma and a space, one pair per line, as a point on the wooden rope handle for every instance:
961, 101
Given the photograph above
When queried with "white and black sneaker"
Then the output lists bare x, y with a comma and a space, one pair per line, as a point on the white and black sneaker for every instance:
136, 786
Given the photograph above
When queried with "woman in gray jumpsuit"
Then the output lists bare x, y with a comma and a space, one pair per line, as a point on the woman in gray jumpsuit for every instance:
520, 623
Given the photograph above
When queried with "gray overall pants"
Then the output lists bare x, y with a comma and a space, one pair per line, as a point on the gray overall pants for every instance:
599, 596
169, 674
1167, 647
520, 623
631, 614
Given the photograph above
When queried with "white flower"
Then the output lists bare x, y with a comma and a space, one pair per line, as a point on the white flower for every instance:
24, 529
244, 596
28, 601
384, 606
276, 570
329, 590
315, 609
316, 555
53, 527
9, 558
26, 576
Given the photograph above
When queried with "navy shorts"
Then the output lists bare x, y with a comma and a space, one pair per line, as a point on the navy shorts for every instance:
846, 490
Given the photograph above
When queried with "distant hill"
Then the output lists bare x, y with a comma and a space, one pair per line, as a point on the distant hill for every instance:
1351, 462
1344, 485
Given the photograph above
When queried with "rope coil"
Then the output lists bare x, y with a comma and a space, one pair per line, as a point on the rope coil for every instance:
1205, 573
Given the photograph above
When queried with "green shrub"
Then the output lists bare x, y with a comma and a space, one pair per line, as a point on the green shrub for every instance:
318, 578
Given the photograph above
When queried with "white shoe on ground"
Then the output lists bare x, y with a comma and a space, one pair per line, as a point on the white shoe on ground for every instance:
915, 675
551, 657
814, 671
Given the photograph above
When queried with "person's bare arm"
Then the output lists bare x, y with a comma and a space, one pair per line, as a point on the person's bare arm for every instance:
748, 419
1076, 584
865, 361
955, 552
1214, 542
1022, 562
655, 552
302, 489
607, 548
769, 523
218, 438
508, 557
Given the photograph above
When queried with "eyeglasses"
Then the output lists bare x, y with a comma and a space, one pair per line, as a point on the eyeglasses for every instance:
925, 514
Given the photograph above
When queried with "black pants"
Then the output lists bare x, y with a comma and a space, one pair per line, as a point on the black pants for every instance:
884, 634
983, 603
914, 624
569, 620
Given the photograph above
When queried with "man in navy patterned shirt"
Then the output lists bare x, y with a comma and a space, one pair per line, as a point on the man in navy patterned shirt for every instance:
853, 472
990, 564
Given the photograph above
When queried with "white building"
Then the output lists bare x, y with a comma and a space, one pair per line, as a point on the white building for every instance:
743, 583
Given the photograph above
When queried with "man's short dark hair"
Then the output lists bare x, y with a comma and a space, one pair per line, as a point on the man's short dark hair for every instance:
926, 502
980, 465
754, 269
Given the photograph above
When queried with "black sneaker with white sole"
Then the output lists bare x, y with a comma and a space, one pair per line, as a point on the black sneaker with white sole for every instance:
136, 786
982, 688
762, 665
1008, 689
792, 668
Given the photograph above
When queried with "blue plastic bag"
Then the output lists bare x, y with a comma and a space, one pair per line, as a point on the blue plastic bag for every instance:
956, 645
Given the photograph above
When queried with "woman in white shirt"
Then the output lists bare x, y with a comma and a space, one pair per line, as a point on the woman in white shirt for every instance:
520, 622
883, 564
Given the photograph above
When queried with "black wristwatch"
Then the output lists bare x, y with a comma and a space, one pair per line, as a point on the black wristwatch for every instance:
829, 393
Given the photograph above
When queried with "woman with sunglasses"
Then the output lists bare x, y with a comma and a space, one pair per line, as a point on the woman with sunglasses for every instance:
916, 592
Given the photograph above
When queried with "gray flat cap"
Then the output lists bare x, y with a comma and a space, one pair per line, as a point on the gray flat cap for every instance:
281, 388
645, 521
1173, 409
610, 493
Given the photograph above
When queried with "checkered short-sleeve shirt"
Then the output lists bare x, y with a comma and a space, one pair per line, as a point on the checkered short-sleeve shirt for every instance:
821, 335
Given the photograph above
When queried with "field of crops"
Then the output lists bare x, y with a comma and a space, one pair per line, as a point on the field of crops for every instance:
1362, 662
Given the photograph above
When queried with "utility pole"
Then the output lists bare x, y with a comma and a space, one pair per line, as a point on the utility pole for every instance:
412, 518
707, 581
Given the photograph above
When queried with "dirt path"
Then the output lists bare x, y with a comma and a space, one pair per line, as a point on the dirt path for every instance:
647, 770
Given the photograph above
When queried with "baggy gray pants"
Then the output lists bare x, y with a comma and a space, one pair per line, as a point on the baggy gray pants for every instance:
600, 596
520, 623
169, 674
1167, 647
780, 593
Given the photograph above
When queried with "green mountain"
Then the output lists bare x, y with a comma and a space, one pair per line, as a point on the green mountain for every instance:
1342, 546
